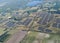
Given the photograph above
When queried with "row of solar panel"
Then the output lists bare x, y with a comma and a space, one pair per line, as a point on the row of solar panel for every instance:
12, 24
44, 30
56, 25
45, 18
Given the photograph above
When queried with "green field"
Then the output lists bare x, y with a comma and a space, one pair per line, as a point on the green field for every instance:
53, 38
30, 37
2, 31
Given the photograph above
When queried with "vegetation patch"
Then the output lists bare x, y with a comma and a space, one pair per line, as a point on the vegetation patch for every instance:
29, 38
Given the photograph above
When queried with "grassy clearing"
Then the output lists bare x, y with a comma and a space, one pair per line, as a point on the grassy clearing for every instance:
1, 31
12, 31
30, 37
52, 38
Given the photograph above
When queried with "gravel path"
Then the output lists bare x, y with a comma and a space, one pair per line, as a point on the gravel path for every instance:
17, 37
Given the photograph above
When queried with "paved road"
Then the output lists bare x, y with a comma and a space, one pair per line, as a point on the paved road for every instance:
17, 37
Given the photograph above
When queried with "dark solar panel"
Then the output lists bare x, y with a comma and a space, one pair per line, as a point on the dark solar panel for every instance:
51, 17
10, 24
42, 19
55, 25
1, 21
45, 20
58, 20
59, 26
19, 23
27, 21
48, 31
41, 29
42, 15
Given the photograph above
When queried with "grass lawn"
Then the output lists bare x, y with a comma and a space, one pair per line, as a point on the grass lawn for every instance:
53, 38
30, 37
1, 31
12, 31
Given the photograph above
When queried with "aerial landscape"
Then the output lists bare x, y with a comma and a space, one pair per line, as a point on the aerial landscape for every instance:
29, 21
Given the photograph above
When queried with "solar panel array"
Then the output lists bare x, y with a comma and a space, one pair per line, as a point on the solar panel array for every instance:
45, 18
44, 30
25, 22
57, 23
10, 24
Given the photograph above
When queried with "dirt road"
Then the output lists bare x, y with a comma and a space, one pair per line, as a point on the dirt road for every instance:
17, 37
